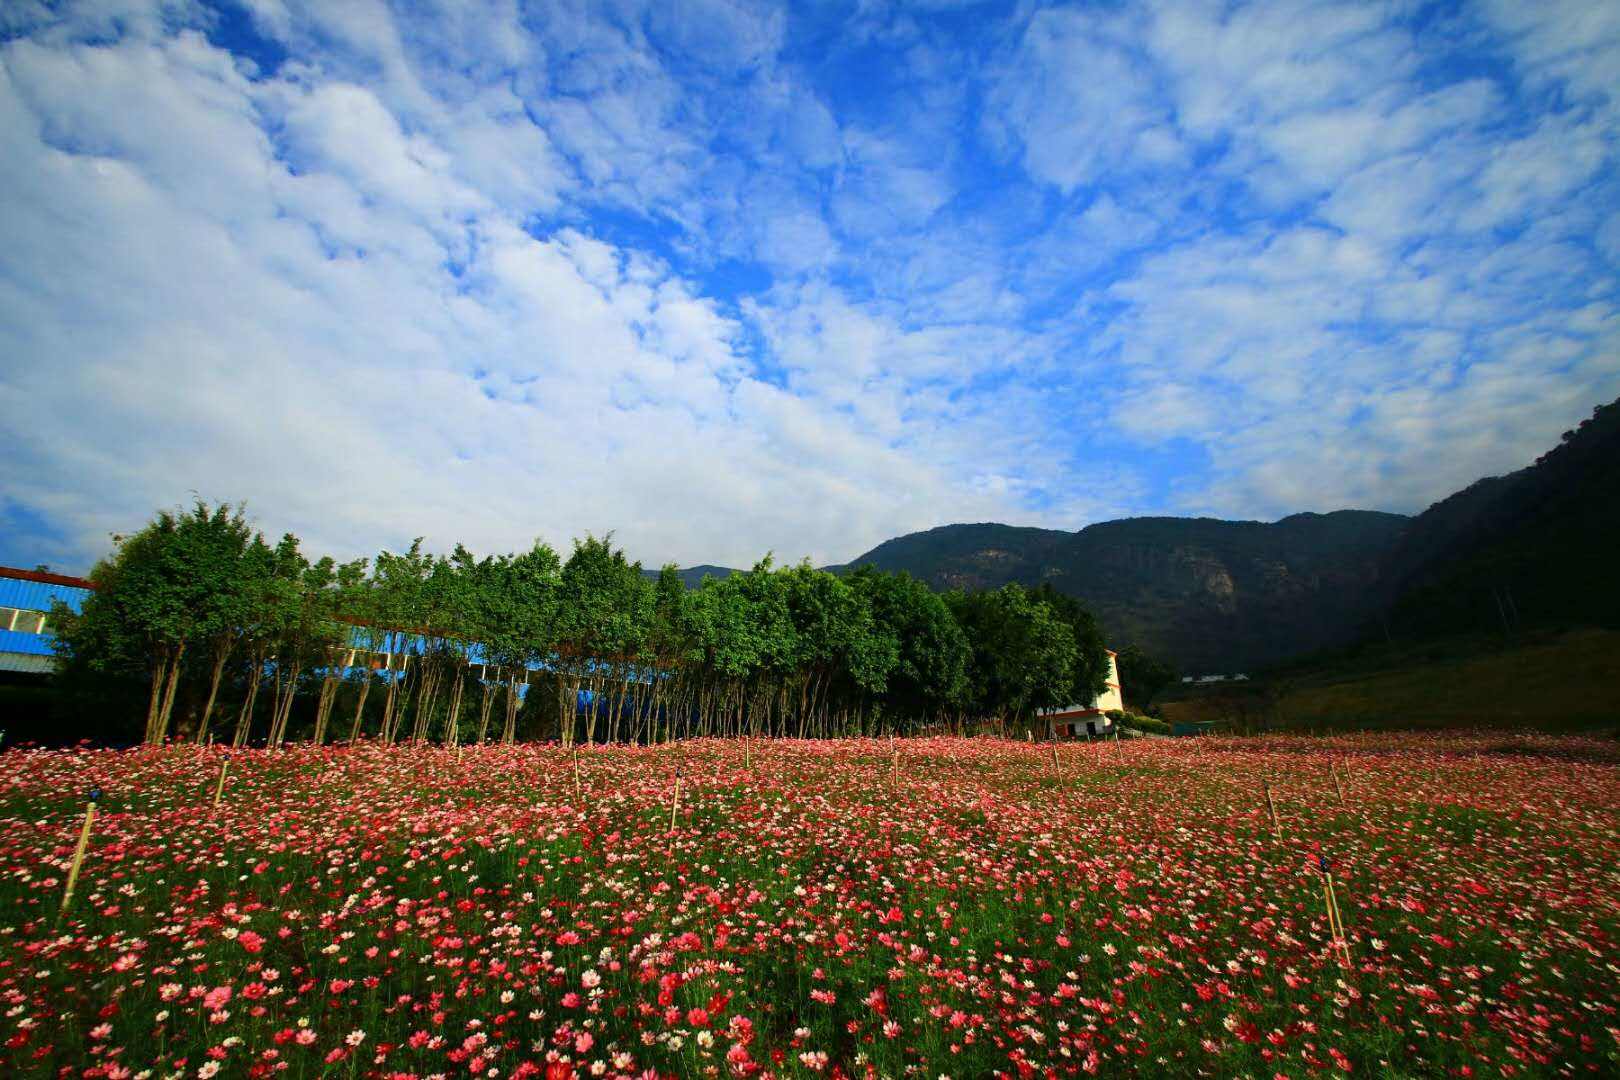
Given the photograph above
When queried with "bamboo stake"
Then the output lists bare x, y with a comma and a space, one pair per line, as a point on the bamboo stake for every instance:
78, 852
219, 789
675, 803
1337, 785
1057, 770
1333, 926
1271, 805
579, 794
1332, 911
1338, 919
894, 763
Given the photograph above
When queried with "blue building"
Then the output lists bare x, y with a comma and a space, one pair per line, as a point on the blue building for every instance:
26, 597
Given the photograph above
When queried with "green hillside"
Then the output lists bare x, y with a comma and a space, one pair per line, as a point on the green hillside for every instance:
1560, 681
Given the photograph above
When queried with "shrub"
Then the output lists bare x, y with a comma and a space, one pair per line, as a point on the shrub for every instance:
1147, 723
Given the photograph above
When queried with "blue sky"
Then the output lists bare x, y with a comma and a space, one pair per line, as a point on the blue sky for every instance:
727, 277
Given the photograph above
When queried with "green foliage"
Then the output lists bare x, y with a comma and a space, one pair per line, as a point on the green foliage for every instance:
1091, 657
1023, 655
1141, 676
1145, 723
929, 676
566, 647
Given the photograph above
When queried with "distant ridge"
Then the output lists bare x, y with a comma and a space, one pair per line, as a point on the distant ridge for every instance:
1208, 594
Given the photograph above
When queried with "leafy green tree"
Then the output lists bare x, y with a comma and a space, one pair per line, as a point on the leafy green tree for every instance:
522, 624
170, 588
1023, 654
333, 636
1091, 661
789, 651
605, 610
1141, 676
309, 632
264, 601
929, 678
669, 645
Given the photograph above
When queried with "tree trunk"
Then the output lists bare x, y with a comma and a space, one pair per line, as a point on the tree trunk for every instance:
427, 693
360, 709
220, 658
244, 719
323, 711
590, 714
154, 706
568, 711
175, 668
278, 688
483, 709
284, 704
388, 709
509, 732
452, 719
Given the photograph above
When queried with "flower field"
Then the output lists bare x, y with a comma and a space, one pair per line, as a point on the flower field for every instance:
951, 907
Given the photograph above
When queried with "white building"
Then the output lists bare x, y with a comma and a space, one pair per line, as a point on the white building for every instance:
1074, 721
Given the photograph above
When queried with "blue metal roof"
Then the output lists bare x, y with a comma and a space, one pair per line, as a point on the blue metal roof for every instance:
38, 595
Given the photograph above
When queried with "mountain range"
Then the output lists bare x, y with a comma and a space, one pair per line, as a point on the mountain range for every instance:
1533, 548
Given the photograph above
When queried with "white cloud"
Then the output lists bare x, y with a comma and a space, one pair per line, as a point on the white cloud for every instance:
1079, 103
279, 321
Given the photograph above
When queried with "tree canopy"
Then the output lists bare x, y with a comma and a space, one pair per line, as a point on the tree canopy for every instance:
416, 646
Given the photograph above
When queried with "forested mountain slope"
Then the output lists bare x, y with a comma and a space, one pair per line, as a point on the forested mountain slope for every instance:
1210, 595
1535, 548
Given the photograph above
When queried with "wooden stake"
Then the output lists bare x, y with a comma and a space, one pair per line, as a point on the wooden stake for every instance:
1327, 902
78, 852
1339, 786
1271, 805
894, 763
675, 803
219, 789
1338, 919
579, 794
748, 757
1057, 770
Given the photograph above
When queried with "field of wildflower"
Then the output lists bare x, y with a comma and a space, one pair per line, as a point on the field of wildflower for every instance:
950, 907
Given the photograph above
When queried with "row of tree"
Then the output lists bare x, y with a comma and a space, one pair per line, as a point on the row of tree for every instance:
257, 640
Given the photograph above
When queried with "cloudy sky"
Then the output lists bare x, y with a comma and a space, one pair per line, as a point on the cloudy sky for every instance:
728, 277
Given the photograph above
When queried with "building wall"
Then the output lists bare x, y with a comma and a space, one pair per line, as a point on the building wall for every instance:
1111, 697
